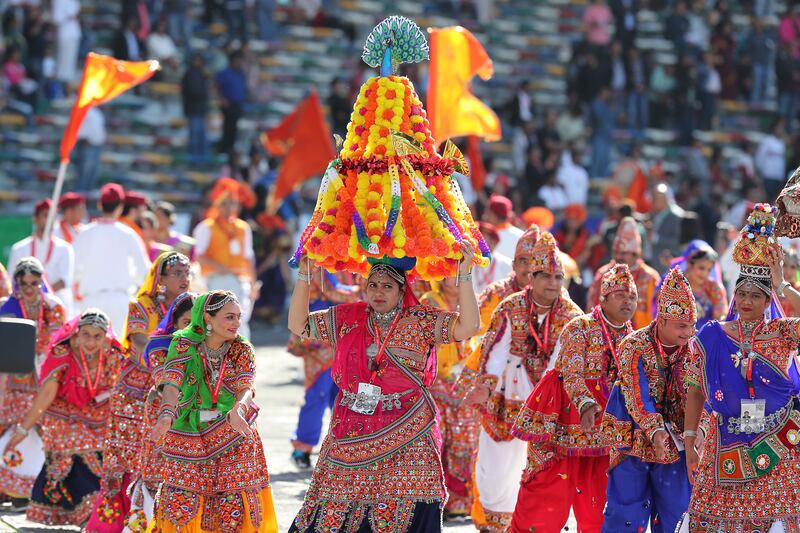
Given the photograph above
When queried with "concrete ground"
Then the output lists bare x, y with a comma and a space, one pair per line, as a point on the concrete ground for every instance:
279, 384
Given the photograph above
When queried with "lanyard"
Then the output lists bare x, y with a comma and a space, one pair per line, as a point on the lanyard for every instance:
542, 344
85, 366
664, 365
218, 385
749, 375
382, 345
49, 249
610, 344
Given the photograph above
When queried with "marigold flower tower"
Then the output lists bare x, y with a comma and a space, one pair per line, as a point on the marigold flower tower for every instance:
390, 196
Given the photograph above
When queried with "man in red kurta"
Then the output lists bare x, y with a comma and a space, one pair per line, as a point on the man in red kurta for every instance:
567, 458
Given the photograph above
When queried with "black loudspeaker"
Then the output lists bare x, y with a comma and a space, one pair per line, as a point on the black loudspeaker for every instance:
17, 345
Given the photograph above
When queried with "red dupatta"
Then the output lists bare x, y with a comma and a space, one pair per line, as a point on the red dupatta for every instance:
72, 386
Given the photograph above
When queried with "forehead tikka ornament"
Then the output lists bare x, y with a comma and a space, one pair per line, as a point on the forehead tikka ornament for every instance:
229, 297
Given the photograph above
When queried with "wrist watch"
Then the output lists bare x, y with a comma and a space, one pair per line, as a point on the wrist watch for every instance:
782, 287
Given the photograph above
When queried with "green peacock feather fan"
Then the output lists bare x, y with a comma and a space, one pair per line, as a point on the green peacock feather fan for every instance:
394, 41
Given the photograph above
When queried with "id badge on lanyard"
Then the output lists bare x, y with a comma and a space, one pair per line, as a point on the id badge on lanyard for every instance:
753, 416
235, 247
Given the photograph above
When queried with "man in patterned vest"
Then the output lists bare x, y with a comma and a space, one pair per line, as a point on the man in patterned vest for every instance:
567, 456
514, 354
644, 418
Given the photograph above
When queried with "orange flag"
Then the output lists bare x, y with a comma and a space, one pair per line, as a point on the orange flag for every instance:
477, 168
104, 78
453, 111
304, 140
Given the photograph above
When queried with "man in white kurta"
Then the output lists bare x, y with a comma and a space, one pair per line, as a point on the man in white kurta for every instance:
73, 208
110, 263
55, 254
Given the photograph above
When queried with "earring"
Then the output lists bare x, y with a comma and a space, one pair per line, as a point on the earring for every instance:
162, 292
208, 328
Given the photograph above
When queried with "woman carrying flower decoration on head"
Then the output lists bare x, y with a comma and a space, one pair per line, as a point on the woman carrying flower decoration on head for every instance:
213, 466
380, 461
747, 372
167, 278
30, 299
326, 290
72, 407
459, 423
700, 265
143, 489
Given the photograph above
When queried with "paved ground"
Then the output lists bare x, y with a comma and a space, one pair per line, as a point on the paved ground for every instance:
279, 393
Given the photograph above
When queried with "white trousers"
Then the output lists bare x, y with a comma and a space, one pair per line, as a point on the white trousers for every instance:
498, 472
242, 289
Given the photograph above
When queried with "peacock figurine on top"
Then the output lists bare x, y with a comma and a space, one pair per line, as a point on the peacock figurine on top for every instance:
389, 196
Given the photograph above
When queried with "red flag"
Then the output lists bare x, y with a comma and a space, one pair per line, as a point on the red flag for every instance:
304, 140
477, 170
104, 78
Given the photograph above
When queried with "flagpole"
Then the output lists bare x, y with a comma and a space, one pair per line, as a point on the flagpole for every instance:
51, 213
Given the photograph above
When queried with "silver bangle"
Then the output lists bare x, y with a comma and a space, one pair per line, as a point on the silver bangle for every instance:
20, 430
782, 287
465, 277
306, 278
689, 433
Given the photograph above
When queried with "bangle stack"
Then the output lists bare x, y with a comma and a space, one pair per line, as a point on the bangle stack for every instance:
167, 411
305, 278
689, 433
20, 430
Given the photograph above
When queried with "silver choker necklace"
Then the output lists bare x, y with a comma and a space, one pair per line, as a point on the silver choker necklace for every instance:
215, 355
607, 321
384, 319
540, 306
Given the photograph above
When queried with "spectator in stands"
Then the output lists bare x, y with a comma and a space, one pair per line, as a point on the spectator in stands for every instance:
618, 74
12, 36
665, 228
232, 91
709, 89
686, 98
161, 46
523, 139
35, 33
789, 29
519, 109
770, 160
180, 27
535, 176
91, 138
677, 26
597, 18
698, 35
267, 29
548, 139
787, 78
723, 46
340, 106
602, 123
625, 24
236, 20
662, 88
127, 45
759, 46
638, 106
553, 195
697, 167
572, 176
20, 86
68, 37
570, 125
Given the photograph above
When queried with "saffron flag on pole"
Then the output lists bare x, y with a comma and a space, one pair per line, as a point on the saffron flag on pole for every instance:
453, 111
104, 78
478, 169
304, 140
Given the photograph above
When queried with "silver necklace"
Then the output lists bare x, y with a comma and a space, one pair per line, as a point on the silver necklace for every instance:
215, 355
607, 321
384, 319
380, 321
